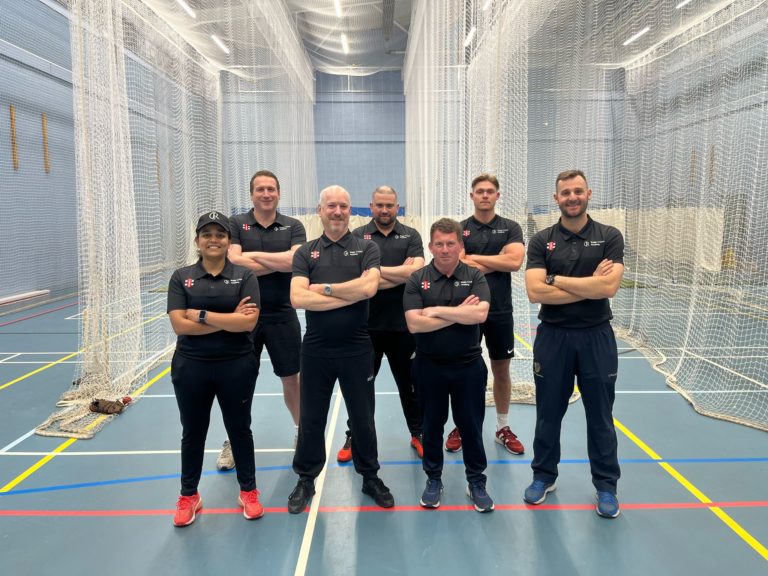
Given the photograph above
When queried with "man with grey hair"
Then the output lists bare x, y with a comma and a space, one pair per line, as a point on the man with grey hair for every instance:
333, 278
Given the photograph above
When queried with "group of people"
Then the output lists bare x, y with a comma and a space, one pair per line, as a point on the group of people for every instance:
368, 293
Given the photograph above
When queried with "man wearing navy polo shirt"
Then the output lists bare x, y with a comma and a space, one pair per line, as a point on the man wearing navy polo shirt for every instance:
264, 241
402, 253
333, 278
494, 245
574, 267
444, 304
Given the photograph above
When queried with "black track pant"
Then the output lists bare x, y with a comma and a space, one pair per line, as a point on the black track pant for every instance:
588, 355
464, 385
196, 384
399, 348
318, 377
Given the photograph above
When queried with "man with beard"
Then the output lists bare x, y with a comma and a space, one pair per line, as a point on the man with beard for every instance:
574, 267
402, 253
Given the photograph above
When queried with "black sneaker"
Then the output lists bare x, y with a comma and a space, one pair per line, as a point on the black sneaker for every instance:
376, 489
301, 495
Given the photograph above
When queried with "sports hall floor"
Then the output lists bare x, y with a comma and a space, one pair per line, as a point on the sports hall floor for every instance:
694, 490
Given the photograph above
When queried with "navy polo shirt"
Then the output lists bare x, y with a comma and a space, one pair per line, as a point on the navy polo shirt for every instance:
576, 254
342, 332
489, 240
280, 236
193, 287
457, 343
386, 310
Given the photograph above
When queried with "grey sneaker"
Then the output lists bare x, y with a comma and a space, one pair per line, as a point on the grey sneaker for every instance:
225, 461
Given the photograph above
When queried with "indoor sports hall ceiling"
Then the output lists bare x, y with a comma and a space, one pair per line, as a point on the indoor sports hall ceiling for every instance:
376, 31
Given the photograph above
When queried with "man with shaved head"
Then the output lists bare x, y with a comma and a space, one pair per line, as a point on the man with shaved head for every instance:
334, 276
402, 253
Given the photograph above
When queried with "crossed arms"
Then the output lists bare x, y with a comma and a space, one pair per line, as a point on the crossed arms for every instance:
312, 296
604, 283
471, 311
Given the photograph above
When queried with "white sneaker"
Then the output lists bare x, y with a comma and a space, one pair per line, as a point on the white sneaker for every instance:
225, 461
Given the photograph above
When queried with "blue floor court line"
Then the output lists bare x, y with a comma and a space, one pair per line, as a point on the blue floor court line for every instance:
582, 461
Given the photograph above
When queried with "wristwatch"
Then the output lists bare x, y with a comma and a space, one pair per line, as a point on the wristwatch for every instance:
201, 316
550, 279
327, 290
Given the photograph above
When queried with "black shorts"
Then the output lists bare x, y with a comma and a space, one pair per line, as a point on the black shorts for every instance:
283, 342
499, 332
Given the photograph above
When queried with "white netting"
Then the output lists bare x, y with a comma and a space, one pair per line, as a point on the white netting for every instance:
670, 129
157, 121
695, 139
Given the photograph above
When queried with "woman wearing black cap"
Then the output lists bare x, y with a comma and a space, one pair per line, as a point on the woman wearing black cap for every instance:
214, 306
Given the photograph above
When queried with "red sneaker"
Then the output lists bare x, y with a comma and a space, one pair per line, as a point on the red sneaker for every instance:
507, 438
187, 508
416, 445
252, 508
453, 443
345, 454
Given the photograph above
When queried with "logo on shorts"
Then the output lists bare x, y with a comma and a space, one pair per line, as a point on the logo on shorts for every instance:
536, 368
315, 254
366, 236
246, 226
551, 246
189, 282
425, 285
465, 233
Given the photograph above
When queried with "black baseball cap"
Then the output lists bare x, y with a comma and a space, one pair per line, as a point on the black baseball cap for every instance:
212, 217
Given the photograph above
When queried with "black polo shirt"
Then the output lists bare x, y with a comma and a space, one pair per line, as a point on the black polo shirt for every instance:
342, 332
489, 240
457, 343
386, 313
566, 253
193, 287
283, 234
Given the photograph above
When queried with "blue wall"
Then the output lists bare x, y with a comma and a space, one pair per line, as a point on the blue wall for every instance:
360, 134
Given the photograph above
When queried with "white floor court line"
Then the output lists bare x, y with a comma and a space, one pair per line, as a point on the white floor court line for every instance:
136, 452
309, 530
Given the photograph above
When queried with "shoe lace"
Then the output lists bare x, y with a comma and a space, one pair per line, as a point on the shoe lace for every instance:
507, 433
454, 433
251, 496
607, 498
478, 488
433, 484
185, 502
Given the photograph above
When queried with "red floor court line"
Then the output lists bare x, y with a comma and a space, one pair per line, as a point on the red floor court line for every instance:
336, 509
38, 314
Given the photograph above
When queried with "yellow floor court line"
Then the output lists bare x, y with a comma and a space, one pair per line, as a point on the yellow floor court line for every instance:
67, 443
753, 542
73, 354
